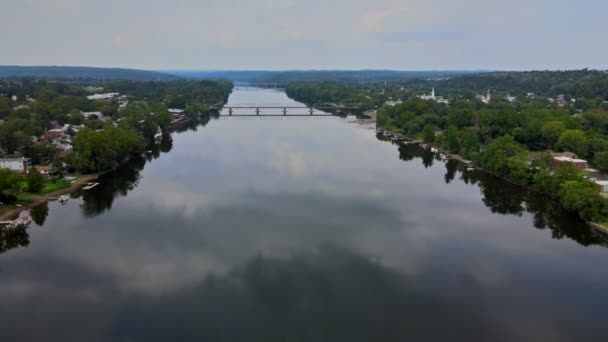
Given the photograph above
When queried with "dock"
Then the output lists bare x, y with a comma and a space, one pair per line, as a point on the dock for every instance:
90, 186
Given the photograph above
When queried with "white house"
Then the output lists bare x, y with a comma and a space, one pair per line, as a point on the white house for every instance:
107, 96
177, 113
601, 184
15, 164
92, 115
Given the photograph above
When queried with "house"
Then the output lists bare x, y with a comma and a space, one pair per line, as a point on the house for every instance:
92, 115
15, 164
392, 103
52, 134
560, 100
602, 185
75, 128
569, 157
510, 98
44, 170
107, 96
176, 113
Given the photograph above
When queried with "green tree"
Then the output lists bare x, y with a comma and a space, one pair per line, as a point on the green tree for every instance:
574, 140
10, 182
582, 198
56, 168
601, 160
496, 156
76, 118
549, 181
35, 181
551, 131
452, 139
428, 134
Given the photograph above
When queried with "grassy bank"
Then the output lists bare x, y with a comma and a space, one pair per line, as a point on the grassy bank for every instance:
51, 189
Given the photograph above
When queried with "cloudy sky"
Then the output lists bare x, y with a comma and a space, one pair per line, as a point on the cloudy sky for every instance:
306, 34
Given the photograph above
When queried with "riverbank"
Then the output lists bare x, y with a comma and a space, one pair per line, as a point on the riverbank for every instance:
12, 212
600, 227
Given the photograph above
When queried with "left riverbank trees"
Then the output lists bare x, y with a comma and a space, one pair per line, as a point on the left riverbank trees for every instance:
30, 108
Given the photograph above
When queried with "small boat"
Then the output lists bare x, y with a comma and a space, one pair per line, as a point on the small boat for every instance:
63, 199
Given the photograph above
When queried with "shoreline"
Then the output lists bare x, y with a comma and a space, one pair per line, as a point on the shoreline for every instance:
599, 227
80, 182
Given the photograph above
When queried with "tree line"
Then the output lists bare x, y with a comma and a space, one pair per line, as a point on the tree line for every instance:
509, 139
131, 124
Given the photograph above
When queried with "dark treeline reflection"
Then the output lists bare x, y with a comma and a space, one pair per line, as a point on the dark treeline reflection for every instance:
329, 295
504, 198
12, 238
40, 213
120, 181
18, 237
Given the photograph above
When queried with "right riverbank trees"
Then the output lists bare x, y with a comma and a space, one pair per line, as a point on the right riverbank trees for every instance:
499, 136
505, 136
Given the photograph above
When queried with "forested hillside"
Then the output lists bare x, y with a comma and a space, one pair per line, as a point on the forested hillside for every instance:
78, 73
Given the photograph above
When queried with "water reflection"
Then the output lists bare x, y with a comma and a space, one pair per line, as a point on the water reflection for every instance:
508, 199
119, 182
39, 213
328, 295
301, 230
13, 238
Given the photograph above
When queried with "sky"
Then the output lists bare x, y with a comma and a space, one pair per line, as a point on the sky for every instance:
306, 34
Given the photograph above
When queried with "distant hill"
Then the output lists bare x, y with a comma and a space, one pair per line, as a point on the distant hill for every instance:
76, 73
360, 76
572, 83
345, 76
220, 74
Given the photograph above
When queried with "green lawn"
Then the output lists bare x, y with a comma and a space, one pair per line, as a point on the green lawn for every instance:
49, 186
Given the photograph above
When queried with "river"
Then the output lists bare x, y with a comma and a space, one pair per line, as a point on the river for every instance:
301, 229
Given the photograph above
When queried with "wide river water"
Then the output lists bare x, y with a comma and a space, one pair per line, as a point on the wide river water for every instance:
301, 229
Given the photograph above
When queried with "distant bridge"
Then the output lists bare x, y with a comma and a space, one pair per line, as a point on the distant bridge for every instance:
287, 109
264, 85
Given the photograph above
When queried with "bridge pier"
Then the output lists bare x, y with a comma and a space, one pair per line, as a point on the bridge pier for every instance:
229, 110
311, 110
257, 111
284, 111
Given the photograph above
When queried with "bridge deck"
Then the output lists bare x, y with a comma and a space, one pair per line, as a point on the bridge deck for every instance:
274, 115
285, 107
